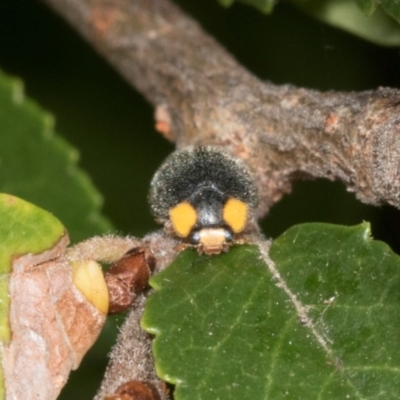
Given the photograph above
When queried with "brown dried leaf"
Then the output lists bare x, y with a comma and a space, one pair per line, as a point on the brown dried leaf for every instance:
53, 325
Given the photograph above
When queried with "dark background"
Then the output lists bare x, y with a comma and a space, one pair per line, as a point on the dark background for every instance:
112, 125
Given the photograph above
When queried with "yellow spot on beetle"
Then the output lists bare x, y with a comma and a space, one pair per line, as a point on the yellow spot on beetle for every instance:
235, 214
183, 218
89, 280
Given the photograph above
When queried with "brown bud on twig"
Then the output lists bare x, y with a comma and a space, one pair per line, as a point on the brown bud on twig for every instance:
127, 278
135, 390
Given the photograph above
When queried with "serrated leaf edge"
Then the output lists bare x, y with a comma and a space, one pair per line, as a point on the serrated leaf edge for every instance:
72, 155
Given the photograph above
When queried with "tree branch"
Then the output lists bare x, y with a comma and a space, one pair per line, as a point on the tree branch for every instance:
208, 98
205, 97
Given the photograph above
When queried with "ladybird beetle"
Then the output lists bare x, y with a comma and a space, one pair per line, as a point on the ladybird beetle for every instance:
204, 196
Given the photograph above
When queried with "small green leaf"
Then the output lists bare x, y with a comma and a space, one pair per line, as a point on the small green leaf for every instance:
39, 166
392, 7
24, 228
360, 17
367, 6
379, 28
265, 6
320, 321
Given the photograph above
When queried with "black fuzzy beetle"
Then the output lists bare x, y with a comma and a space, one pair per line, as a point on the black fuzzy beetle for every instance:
205, 197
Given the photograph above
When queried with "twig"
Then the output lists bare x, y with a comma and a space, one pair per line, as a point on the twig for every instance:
205, 97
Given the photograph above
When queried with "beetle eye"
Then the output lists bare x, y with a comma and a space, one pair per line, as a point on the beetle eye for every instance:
228, 235
195, 237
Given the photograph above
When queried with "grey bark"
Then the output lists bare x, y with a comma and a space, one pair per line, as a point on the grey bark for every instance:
203, 96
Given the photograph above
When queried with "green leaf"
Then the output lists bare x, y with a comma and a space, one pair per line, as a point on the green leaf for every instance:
351, 285
24, 228
367, 6
265, 6
320, 321
39, 166
211, 331
360, 17
379, 28
392, 7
